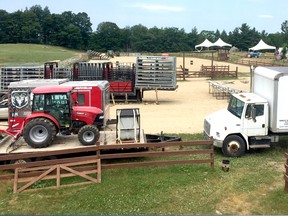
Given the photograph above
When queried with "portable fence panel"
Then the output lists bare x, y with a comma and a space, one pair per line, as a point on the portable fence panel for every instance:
14, 74
122, 78
90, 71
156, 72
62, 73
220, 91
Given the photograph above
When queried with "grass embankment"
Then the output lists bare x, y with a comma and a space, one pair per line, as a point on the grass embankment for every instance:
253, 185
32, 54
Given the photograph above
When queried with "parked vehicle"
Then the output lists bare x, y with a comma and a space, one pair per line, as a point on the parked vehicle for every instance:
252, 120
53, 112
4, 109
253, 54
87, 93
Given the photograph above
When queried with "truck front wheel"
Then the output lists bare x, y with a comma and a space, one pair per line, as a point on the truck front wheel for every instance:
233, 146
88, 135
39, 133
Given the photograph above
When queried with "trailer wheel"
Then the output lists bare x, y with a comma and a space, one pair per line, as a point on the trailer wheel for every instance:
39, 133
88, 135
233, 146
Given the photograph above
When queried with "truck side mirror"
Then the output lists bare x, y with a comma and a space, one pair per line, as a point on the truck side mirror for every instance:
253, 112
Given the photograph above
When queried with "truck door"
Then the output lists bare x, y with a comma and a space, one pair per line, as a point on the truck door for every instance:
259, 125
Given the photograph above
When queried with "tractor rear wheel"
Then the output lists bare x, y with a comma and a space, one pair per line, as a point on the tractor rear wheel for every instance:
39, 132
88, 135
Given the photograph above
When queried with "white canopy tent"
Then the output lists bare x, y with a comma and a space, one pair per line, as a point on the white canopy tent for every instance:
221, 43
206, 43
262, 46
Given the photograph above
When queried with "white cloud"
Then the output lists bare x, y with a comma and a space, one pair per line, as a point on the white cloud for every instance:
157, 7
265, 16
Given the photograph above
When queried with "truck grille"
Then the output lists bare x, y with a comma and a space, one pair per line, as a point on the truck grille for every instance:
207, 127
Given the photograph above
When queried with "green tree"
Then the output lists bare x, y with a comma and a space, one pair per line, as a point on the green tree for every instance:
30, 27
3, 26
108, 36
43, 16
193, 38
139, 38
244, 37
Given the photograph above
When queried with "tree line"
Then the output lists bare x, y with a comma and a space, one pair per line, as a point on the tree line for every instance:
39, 26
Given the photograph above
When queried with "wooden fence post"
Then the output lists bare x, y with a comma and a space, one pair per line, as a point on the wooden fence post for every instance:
286, 174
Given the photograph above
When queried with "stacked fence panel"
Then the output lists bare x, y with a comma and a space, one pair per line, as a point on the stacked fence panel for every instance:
156, 72
89, 71
14, 74
62, 73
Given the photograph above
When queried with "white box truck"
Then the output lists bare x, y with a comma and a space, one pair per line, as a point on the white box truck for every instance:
252, 120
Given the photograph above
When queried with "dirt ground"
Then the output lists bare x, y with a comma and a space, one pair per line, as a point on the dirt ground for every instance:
182, 110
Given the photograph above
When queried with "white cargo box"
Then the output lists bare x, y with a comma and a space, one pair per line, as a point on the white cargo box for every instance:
272, 84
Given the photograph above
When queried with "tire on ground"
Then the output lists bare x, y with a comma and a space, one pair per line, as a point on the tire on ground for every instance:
39, 133
88, 135
233, 146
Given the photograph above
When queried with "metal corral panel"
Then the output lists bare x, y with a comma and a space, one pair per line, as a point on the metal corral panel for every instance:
89, 71
14, 74
156, 72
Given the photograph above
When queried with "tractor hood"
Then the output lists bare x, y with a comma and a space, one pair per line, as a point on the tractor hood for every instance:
88, 114
87, 109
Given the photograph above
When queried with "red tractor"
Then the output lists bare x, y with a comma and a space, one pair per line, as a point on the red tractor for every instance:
53, 112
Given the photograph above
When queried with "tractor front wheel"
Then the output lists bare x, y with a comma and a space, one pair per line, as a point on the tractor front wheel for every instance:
39, 133
88, 135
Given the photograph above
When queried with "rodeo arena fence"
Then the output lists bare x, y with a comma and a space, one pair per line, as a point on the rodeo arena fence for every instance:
86, 163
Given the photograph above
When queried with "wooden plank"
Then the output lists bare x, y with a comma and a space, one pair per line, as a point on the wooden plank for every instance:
154, 163
78, 173
155, 154
36, 179
54, 176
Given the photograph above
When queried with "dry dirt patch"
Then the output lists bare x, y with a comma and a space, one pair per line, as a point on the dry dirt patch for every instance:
182, 110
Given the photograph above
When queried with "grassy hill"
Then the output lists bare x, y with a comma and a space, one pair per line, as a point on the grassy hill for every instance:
32, 54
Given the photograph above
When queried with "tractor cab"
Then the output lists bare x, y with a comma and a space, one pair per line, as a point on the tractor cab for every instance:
56, 104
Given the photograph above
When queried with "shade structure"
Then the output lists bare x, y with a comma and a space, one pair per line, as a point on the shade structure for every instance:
221, 43
262, 46
206, 43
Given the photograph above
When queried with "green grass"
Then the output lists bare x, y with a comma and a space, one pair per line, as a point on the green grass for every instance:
253, 185
32, 54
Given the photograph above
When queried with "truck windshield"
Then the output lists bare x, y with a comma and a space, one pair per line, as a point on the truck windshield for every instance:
235, 106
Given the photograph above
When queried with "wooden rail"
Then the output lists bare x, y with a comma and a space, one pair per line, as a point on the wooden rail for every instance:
87, 161
286, 173
257, 63
207, 71
216, 71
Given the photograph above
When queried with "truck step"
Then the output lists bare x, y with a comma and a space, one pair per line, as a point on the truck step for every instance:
259, 146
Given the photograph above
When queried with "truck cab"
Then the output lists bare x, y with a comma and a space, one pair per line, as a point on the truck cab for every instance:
243, 125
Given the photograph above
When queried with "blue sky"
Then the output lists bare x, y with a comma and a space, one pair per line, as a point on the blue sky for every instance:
211, 15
